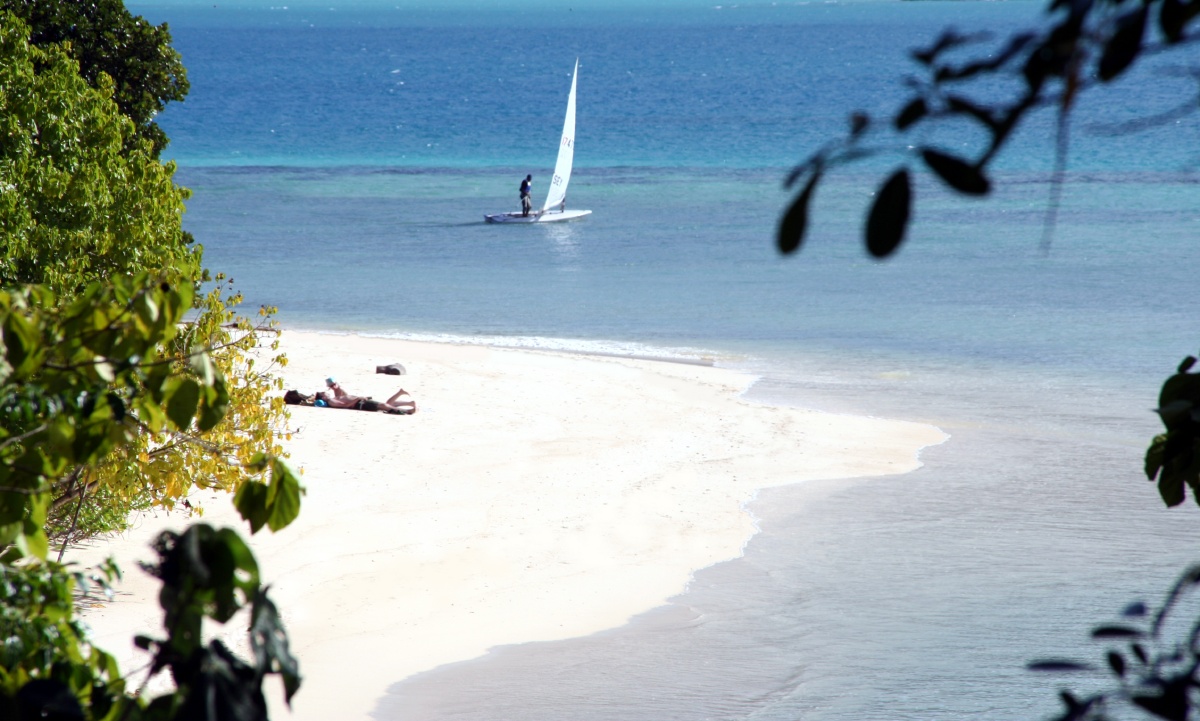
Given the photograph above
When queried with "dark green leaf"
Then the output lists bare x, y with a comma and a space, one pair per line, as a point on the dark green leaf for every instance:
283, 496
1171, 489
251, 503
1058, 665
1116, 632
1116, 662
888, 218
12, 506
1171, 19
914, 111
1171, 704
48, 699
182, 401
215, 405
859, 122
1186, 364
116, 405
269, 642
242, 559
813, 164
957, 173
1124, 45
220, 686
795, 220
1069, 699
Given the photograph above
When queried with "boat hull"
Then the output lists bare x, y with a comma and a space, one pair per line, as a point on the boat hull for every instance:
549, 216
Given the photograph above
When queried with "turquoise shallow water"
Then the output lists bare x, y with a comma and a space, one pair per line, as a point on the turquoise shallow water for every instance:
342, 159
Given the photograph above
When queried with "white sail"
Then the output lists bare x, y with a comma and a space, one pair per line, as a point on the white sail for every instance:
554, 211
566, 152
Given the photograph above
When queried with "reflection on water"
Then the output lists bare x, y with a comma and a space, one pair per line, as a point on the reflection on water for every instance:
565, 240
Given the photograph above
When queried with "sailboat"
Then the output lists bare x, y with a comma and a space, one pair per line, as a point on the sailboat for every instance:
555, 208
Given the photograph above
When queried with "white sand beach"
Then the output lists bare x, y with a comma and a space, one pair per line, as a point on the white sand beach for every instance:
533, 496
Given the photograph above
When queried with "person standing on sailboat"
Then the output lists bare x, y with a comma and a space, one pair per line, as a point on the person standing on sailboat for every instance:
526, 199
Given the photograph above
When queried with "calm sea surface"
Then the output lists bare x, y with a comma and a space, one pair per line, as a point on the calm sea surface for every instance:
342, 157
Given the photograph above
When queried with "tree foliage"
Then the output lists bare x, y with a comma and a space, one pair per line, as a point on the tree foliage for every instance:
122, 383
106, 40
1155, 676
77, 203
1173, 458
83, 198
47, 662
1084, 44
49, 669
81, 380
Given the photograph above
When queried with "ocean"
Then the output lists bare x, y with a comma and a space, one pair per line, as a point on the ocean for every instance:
342, 157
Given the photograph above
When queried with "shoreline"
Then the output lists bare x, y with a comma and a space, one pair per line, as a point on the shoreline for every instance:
535, 495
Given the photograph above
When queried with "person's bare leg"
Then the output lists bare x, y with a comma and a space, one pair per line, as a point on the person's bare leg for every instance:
402, 405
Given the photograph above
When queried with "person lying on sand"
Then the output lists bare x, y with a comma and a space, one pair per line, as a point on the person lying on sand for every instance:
392, 405
361, 403
342, 399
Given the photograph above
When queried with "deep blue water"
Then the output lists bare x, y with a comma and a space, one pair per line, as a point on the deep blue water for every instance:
341, 158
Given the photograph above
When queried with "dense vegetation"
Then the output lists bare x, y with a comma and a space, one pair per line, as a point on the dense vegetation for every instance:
123, 384
112, 46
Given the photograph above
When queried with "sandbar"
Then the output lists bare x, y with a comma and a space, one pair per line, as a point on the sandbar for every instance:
534, 496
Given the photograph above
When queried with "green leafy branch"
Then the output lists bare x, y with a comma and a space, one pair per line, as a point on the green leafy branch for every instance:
1174, 457
1087, 43
1154, 674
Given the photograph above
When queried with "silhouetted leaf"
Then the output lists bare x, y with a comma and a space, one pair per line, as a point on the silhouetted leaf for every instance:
1175, 412
1058, 665
1116, 662
798, 172
1186, 365
859, 122
1171, 489
117, 405
795, 220
1124, 45
48, 699
1171, 18
888, 219
957, 173
1140, 653
1054, 54
911, 113
1137, 609
1171, 704
269, 643
1116, 632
